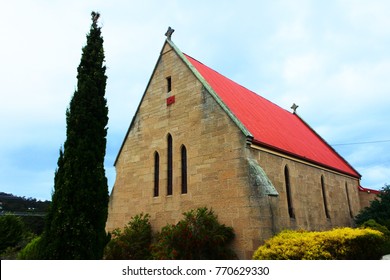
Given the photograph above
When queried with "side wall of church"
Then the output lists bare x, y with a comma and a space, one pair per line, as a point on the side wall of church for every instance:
216, 168
307, 189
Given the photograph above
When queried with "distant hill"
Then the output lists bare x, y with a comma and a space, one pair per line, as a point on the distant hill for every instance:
31, 211
12, 203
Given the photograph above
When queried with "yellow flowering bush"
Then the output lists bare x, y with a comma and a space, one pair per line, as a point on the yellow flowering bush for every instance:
336, 244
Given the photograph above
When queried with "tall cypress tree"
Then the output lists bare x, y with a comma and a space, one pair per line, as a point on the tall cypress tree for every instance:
75, 227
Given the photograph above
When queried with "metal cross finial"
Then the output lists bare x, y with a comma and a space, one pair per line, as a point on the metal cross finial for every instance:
294, 107
169, 33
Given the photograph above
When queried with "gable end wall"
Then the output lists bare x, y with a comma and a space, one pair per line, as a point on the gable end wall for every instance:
217, 168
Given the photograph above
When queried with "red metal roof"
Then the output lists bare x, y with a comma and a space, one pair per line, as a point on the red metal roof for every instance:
272, 126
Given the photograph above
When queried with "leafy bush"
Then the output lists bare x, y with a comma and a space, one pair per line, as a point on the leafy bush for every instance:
336, 244
133, 243
379, 209
32, 251
374, 225
35, 224
12, 231
199, 236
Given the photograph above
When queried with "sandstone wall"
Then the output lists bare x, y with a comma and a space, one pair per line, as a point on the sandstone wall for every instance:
366, 197
341, 191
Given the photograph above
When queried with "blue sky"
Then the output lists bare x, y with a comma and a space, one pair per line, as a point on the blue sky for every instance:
330, 57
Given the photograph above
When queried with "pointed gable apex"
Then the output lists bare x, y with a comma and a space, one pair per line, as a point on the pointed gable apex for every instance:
187, 60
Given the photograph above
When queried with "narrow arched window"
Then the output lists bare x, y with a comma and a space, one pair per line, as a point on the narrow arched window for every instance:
288, 192
156, 173
324, 197
183, 169
169, 84
170, 168
348, 200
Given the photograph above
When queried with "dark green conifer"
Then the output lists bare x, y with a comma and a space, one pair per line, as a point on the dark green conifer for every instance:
75, 227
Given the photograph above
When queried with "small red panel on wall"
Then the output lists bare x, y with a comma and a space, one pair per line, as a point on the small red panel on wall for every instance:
170, 100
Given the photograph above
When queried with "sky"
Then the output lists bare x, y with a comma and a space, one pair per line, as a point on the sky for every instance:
331, 58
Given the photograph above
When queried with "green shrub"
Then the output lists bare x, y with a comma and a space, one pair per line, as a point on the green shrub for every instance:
32, 251
133, 243
12, 231
379, 209
336, 244
374, 225
35, 224
199, 236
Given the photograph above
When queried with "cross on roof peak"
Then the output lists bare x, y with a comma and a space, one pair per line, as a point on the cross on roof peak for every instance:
169, 32
294, 107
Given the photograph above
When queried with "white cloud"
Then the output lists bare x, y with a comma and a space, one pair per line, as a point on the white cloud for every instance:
363, 79
303, 69
369, 16
375, 176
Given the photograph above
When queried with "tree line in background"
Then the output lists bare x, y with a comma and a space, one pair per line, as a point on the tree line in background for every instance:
13, 203
30, 210
21, 220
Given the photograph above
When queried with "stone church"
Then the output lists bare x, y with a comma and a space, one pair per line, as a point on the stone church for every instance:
200, 139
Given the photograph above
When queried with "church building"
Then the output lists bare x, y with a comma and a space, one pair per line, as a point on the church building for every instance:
198, 139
